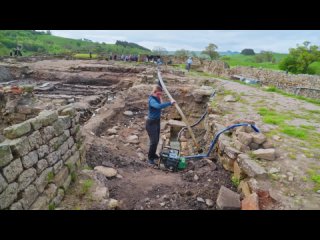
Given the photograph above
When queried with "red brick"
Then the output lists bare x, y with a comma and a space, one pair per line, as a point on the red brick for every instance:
250, 203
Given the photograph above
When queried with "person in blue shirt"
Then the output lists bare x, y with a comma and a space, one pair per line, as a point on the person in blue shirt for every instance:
153, 121
189, 62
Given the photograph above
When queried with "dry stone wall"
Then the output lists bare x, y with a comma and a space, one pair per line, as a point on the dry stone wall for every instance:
300, 84
238, 152
17, 108
38, 158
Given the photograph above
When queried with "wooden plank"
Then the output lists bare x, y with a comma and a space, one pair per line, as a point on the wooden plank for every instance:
179, 110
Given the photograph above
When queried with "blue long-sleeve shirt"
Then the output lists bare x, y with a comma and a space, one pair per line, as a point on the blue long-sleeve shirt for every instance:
155, 107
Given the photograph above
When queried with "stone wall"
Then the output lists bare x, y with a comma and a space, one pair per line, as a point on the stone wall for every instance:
38, 159
300, 84
180, 60
17, 107
235, 151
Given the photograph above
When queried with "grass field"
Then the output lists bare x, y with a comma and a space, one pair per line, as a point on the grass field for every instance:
243, 60
84, 56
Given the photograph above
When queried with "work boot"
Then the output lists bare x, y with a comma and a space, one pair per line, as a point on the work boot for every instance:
156, 161
151, 162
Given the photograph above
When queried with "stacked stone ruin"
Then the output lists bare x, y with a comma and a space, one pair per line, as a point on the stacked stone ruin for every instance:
238, 154
300, 84
38, 158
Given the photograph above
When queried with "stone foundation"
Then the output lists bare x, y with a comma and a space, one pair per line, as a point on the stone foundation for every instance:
38, 158
238, 151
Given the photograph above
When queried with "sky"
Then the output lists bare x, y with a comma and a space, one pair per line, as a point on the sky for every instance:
196, 40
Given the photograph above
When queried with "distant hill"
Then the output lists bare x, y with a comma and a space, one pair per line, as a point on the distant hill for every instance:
36, 42
132, 45
227, 53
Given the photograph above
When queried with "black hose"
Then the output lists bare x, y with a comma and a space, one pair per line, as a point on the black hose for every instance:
197, 122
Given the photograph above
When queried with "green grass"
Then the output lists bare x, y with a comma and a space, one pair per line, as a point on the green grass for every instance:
243, 60
315, 177
84, 56
292, 156
276, 120
51, 206
87, 184
314, 111
235, 181
73, 177
309, 127
304, 132
276, 90
271, 89
86, 167
308, 153
272, 117
50, 176
34, 43
295, 132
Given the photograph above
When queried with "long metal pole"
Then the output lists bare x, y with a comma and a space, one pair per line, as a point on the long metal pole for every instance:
179, 110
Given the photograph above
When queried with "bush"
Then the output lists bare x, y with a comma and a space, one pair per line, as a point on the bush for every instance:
314, 68
248, 51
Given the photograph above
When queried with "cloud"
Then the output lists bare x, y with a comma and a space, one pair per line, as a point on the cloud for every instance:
197, 40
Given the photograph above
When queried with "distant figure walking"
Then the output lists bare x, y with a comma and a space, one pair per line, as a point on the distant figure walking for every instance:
159, 61
189, 62
90, 53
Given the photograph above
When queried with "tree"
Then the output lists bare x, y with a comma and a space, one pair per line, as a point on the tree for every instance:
193, 54
248, 51
300, 58
211, 51
159, 51
265, 56
182, 53
49, 32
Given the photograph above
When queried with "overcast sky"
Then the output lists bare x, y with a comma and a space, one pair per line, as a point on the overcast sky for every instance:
196, 40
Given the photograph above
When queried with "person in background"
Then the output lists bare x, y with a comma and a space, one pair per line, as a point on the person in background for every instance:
189, 62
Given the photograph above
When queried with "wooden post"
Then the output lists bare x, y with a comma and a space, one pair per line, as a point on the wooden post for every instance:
179, 110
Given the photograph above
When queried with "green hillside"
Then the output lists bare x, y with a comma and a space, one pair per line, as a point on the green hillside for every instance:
244, 60
34, 42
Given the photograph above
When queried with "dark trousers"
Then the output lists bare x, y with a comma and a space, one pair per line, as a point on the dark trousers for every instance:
153, 129
188, 66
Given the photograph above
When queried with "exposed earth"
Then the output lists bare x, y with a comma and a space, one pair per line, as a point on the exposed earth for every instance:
112, 99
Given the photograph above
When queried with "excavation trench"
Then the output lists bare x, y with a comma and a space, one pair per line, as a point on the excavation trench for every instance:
112, 102
142, 187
